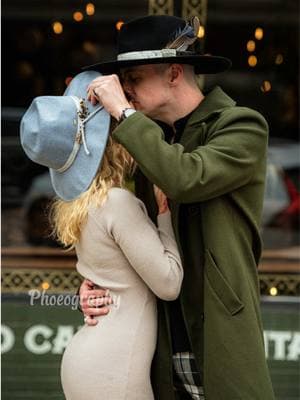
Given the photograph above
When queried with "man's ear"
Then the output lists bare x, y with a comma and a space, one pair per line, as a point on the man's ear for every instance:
175, 74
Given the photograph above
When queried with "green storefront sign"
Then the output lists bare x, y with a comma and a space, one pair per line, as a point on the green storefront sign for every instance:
34, 337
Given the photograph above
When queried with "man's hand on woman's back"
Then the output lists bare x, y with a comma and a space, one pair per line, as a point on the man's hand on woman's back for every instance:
94, 301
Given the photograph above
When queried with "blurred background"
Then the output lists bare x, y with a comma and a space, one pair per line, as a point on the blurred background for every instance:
44, 45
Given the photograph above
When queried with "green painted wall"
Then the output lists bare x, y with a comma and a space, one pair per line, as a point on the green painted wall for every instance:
34, 337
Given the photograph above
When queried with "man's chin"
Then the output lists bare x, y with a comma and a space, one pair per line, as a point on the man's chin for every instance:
140, 108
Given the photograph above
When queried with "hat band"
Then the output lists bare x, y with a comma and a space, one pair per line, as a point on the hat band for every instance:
82, 119
147, 54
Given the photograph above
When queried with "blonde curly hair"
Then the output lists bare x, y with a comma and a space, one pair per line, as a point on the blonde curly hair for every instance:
68, 217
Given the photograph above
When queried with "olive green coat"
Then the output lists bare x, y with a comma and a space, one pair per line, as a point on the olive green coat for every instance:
218, 170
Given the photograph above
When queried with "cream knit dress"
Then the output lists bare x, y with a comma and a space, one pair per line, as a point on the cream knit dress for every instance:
122, 250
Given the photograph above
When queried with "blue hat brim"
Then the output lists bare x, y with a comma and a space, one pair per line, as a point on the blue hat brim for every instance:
77, 179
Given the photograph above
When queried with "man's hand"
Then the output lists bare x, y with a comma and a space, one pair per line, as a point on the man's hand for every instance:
93, 302
108, 91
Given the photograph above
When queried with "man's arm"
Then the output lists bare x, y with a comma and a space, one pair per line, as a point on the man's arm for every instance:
226, 162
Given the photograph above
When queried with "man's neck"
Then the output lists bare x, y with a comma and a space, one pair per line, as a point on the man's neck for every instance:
182, 104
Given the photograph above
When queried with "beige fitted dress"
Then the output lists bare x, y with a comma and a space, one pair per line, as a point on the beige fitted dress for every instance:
122, 250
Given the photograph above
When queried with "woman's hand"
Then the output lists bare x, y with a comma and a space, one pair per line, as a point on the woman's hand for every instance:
161, 200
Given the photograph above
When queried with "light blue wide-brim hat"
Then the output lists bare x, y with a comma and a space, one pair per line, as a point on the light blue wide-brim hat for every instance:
68, 135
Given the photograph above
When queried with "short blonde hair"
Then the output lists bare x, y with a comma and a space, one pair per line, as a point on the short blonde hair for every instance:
68, 217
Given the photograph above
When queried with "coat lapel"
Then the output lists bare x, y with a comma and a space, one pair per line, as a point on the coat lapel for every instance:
195, 131
195, 134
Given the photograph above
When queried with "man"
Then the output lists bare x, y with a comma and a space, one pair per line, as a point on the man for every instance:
209, 159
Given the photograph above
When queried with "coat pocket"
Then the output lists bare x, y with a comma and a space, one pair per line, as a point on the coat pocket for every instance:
221, 287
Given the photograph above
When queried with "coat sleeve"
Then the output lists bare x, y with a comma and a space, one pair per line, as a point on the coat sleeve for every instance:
234, 147
151, 251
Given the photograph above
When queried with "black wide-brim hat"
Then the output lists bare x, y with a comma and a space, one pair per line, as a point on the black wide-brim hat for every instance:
149, 40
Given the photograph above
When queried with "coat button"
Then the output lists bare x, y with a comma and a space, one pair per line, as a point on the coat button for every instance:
193, 210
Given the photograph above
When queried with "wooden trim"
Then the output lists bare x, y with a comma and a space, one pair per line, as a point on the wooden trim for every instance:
36, 251
277, 261
38, 257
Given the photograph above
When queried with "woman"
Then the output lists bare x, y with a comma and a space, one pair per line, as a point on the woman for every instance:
117, 245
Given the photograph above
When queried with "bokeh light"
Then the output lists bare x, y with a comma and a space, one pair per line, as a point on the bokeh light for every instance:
273, 291
57, 27
68, 80
251, 45
119, 25
78, 16
266, 86
252, 61
201, 32
279, 59
45, 285
259, 33
90, 9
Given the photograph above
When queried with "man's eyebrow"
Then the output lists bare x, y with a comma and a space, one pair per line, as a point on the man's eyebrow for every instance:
123, 74
132, 70
127, 70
